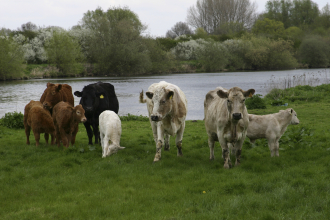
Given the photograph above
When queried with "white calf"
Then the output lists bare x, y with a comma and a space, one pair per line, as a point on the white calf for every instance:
271, 127
110, 130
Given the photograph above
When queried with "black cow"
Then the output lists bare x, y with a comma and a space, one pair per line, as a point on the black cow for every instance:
96, 98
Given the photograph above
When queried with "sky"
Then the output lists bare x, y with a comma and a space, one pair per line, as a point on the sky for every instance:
159, 15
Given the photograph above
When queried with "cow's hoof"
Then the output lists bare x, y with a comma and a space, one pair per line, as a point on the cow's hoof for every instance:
156, 160
226, 166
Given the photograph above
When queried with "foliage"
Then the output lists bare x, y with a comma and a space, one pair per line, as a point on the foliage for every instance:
236, 53
167, 43
115, 42
64, 52
297, 137
12, 120
180, 28
11, 58
130, 117
210, 14
314, 51
213, 56
255, 102
270, 54
187, 50
268, 27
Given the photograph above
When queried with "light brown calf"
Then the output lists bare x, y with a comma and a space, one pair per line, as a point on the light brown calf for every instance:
39, 120
66, 119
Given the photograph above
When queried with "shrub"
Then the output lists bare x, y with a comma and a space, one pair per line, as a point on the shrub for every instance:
12, 120
255, 102
314, 51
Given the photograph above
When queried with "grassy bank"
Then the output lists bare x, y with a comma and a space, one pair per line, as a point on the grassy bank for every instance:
76, 183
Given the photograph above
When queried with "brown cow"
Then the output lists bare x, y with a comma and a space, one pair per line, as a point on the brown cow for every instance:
54, 93
66, 119
40, 120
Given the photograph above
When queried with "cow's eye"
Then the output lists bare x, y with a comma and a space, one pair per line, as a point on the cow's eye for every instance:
53, 93
243, 100
162, 102
228, 101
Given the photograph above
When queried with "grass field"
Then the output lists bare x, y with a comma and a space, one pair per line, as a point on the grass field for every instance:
76, 183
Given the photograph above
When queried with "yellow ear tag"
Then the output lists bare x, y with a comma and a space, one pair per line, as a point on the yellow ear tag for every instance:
171, 97
101, 97
250, 95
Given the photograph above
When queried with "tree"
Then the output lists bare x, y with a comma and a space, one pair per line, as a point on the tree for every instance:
180, 28
210, 14
64, 52
279, 10
315, 52
304, 12
11, 58
268, 27
115, 41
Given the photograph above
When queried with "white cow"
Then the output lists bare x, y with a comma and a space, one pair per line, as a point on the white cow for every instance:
110, 130
271, 127
226, 120
167, 108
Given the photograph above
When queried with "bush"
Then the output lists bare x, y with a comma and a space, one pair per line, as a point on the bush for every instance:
130, 117
255, 102
314, 51
12, 120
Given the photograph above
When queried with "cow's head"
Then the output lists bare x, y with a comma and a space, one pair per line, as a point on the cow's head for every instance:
78, 113
90, 99
294, 118
112, 149
52, 95
162, 101
235, 101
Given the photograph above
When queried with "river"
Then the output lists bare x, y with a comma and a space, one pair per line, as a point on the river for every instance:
14, 95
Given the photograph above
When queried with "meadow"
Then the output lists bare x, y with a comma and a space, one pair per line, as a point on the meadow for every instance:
48, 182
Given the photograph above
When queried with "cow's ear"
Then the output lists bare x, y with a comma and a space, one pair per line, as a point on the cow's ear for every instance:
170, 95
249, 93
222, 94
77, 93
58, 87
49, 84
149, 95
70, 107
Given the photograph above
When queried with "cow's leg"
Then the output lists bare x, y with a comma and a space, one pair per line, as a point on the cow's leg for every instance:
36, 137
167, 142
89, 132
238, 151
154, 130
225, 153
211, 142
52, 137
159, 145
272, 147
74, 133
277, 147
64, 138
96, 132
46, 135
178, 140
58, 136
27, 133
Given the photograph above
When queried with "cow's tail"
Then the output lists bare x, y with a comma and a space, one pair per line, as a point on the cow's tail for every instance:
142, 100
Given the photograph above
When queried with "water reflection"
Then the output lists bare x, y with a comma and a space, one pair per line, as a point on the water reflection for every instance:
14, 95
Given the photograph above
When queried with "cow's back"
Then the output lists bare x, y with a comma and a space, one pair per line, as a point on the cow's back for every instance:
67, 94
38, 118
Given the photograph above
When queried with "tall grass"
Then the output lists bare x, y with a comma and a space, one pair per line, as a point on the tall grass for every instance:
48, 182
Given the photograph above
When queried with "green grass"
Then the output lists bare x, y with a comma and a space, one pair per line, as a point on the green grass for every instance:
76, 183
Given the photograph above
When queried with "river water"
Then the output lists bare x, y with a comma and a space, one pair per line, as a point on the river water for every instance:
14, 95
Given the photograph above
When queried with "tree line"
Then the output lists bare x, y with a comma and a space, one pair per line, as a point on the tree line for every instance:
217, 35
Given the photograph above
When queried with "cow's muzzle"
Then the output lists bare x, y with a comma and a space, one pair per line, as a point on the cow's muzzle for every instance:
88, 109
155, 118
237, 116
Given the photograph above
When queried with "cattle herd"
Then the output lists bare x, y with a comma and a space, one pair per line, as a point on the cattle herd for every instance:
226, 118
